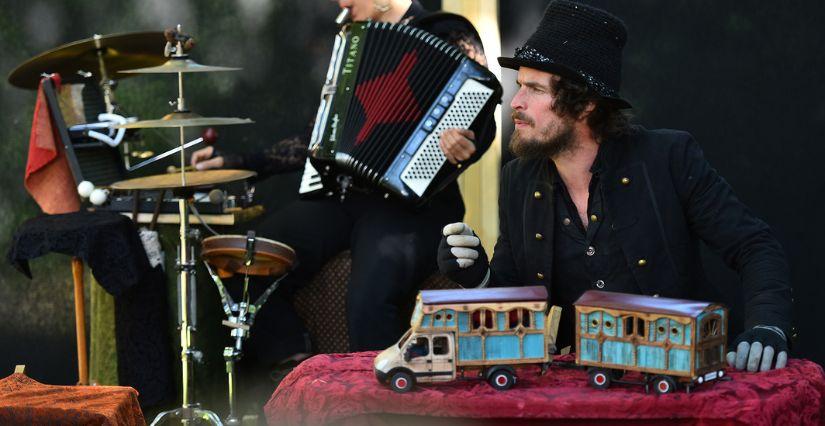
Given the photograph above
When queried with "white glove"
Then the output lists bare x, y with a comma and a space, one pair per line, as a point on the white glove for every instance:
463, 243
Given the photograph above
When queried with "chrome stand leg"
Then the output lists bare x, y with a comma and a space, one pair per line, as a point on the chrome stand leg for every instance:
230, 355
189, 411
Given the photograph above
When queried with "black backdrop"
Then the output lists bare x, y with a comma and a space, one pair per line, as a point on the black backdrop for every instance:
742, 76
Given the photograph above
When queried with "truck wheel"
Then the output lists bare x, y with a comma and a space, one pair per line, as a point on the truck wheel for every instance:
599, 378
402, 382
502, 380
663, 385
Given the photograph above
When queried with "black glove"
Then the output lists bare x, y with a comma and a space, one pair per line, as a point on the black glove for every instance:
755, 349
461, 256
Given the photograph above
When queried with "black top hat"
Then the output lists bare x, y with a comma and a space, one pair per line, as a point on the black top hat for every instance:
577, 41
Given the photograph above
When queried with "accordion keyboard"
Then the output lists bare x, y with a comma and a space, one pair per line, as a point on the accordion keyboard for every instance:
428, 158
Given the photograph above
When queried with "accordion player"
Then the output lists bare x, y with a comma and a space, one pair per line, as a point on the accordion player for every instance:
390, 91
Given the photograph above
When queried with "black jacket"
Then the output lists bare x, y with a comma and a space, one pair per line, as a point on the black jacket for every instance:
664, 198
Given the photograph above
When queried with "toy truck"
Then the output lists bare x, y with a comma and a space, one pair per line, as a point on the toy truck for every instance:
670, 341
482, 331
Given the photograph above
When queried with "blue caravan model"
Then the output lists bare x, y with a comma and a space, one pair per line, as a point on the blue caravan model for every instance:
483, 331
670, 341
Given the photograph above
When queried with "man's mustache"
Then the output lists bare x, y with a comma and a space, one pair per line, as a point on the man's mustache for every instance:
518, 115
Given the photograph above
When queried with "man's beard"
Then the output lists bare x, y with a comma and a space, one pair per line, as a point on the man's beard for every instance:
551, 141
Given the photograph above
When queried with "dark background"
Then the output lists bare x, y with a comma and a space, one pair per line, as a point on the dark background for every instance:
744, 77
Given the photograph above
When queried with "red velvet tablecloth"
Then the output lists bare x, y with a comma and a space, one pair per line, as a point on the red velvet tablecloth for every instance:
24, 401
342, 389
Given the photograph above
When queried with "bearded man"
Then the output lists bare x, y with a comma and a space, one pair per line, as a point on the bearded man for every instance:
593, 202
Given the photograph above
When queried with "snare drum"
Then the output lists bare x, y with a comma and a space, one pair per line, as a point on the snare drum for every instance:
227, 253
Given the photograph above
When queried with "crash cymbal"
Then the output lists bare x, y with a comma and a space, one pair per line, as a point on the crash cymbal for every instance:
193, 179
120, 52
179, 64
184, 119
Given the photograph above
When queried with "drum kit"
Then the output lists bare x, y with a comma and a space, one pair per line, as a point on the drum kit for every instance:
124, 55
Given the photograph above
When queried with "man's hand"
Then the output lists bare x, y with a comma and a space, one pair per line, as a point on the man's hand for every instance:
755, 349
459, 246
457, 145
202, 159
461, 257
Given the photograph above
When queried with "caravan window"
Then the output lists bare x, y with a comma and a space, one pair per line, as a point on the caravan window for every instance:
518, 316
482, 317
711, 327
634, 325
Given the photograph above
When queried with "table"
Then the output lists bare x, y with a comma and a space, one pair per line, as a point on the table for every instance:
23, 400
342, 389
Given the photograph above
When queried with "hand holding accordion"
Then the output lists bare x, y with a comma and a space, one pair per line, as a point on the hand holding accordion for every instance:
457, 144
392, 91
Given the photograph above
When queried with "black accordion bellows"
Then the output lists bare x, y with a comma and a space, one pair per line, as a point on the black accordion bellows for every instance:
396, 88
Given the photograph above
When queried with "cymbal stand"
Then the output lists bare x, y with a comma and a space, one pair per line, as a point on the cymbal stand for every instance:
189, 411
109, 94
239, 318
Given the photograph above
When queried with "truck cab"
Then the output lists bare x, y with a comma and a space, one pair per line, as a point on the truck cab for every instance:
423, 357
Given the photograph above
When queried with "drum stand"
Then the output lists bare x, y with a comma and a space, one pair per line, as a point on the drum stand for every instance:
239, 318
189, 411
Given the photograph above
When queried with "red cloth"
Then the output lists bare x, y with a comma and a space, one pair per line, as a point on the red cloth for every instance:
48, 177
24, 401
342, 388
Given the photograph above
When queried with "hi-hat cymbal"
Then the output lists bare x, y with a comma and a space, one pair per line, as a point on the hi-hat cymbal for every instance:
173, 181
120, 52
184, 119
181, 64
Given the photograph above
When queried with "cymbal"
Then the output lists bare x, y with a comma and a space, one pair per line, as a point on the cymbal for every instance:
193, 179
184, 119
120, 52
181, 64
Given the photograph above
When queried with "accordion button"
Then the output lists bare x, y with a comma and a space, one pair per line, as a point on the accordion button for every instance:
429, 124
438, 112
445, 100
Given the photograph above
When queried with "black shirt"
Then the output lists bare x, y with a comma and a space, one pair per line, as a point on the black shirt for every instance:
584, 258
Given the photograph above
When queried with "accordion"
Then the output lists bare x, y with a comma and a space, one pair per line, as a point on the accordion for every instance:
391, 90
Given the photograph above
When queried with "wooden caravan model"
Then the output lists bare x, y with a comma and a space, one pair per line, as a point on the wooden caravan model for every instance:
486, 331
670, 341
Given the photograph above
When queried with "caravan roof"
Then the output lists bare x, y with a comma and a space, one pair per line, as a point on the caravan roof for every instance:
640, 303
484, 295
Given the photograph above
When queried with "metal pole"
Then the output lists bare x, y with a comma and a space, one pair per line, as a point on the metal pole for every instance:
185, 335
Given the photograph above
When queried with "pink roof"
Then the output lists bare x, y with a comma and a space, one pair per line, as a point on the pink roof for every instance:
484, 295
640, 303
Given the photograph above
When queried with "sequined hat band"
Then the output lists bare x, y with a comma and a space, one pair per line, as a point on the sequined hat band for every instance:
533, 55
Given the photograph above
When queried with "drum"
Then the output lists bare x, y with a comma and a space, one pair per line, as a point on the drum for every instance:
227, 253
